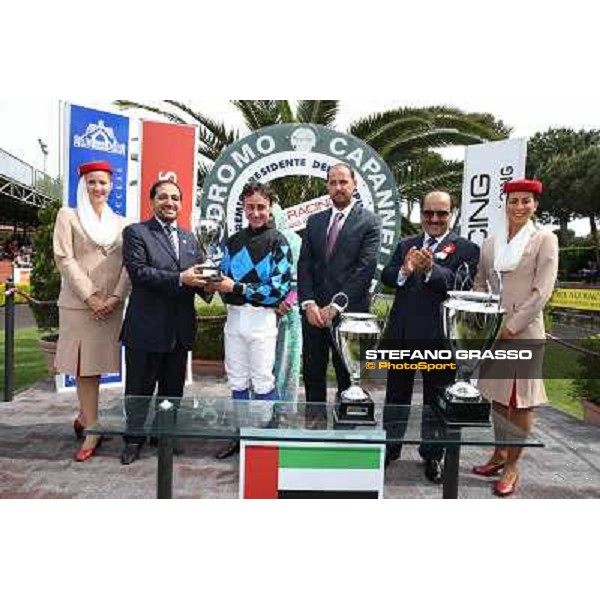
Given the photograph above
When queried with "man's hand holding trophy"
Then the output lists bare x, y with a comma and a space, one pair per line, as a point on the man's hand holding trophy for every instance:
209, 234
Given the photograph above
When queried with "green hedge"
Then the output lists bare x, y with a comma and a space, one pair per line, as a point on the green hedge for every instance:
573, 258
45, 278
209, 344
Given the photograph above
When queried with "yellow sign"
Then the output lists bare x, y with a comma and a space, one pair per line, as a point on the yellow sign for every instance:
583, 299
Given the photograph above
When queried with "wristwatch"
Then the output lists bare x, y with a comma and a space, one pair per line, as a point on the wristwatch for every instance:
239, 288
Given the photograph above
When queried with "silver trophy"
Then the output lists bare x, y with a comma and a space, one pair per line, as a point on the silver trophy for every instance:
471, 321
209, 234
353, 335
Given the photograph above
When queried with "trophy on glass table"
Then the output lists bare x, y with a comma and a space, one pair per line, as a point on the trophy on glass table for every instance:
471, 322
353, 335
209, 234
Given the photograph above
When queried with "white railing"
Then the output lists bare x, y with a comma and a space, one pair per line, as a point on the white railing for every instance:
18, 170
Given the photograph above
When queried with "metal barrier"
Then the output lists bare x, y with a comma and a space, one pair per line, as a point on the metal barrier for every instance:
25, 174
9, 340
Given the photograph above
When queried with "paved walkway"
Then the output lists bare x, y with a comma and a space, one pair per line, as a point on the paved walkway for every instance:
23, 317
37, 446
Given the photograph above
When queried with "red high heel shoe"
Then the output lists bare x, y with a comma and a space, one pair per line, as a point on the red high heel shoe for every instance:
78, 428
84, 454
488, 470
505, 489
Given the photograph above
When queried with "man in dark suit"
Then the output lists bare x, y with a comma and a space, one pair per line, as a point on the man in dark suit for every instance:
160, 323
422, 270
339, 254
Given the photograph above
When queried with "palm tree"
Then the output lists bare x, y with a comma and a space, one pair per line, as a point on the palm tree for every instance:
406, 138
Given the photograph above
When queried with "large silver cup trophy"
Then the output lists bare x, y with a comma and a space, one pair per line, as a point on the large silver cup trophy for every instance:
471, 322
353, 335
209, 234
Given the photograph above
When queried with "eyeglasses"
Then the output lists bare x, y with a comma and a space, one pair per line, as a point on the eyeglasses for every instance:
442, 214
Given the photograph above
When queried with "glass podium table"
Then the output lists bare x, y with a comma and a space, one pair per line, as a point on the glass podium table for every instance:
266, 424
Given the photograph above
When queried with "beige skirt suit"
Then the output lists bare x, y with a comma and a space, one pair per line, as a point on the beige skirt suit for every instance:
525, 292
87, 346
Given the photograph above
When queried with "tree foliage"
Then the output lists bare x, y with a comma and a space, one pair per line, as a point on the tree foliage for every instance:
408, 139
575, 179
551, 157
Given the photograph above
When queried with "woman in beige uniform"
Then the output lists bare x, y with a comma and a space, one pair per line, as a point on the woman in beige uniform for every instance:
526, 258
88, 254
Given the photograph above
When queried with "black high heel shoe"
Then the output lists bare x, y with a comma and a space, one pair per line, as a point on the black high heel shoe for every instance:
78, 428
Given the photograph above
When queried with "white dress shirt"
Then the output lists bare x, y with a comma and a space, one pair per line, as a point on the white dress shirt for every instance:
334, 213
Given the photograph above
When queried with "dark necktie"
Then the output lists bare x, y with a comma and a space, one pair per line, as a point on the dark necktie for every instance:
169, 230
333, 233
430, 243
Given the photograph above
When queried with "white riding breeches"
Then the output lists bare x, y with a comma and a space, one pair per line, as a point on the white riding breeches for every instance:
250, 341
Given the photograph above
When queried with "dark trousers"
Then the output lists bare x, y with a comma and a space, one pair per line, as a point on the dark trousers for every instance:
144, 371
317, 343
399, 390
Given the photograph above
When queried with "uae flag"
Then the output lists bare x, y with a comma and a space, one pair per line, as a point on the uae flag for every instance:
289, 470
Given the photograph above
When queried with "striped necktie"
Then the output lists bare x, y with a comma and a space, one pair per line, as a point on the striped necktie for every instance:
169, 230
430, 243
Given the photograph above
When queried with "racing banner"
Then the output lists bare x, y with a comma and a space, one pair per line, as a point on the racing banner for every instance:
96, 135
577, 298
168, 152
298, 214
487, 168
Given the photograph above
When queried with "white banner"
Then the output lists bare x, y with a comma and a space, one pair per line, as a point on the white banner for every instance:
298, 214
487, 168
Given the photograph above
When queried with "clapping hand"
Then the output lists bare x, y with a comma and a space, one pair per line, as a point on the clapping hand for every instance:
423, 260
410, 262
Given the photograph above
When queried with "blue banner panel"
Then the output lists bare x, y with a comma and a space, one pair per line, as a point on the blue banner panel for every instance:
98, 135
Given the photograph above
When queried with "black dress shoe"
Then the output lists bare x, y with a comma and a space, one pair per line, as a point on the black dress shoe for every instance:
231, 450
390, 456
131, 452
434, 471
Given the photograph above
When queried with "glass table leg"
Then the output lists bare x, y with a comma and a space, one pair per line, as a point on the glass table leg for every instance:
450, 483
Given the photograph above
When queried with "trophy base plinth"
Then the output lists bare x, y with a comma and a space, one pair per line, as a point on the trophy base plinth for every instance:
354, 412
459, 412
210, 273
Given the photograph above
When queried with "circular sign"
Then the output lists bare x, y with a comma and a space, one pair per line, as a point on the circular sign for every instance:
301, 150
